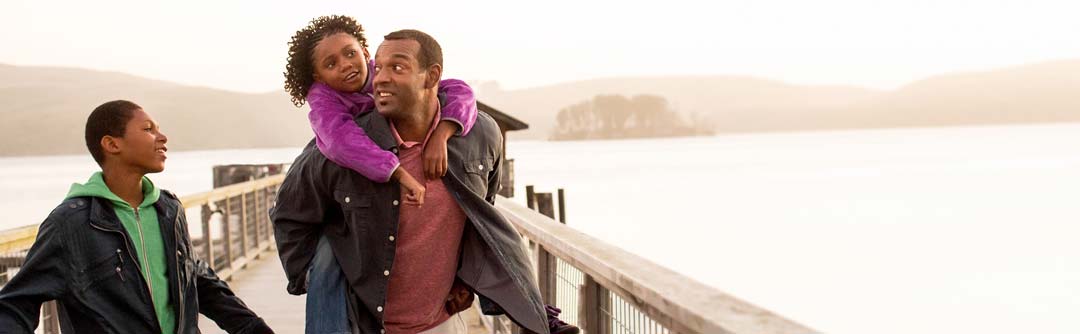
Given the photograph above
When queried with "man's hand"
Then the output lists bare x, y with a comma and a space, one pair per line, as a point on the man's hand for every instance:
412, 190
460, 298
435, 150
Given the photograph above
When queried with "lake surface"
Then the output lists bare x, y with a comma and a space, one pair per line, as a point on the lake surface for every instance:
945, 230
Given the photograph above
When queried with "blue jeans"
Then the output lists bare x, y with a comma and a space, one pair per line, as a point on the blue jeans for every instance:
327, 303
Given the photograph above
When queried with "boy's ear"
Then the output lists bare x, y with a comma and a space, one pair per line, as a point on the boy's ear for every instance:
110, 145
434, 74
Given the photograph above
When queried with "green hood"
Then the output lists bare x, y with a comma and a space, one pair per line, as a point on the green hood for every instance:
96, 187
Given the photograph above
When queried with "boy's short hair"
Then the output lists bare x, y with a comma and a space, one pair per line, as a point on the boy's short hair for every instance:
299, 66
108, 119
430, 51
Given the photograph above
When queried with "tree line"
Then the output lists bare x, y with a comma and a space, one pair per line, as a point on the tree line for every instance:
617, 117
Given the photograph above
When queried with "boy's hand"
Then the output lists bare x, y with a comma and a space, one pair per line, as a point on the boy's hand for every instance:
435, 150
412, 191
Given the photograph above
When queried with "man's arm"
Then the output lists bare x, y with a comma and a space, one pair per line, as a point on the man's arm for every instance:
495, 177
43, 277
298, 217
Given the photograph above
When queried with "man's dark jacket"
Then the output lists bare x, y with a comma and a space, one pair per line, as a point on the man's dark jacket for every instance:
360, 217
85, 260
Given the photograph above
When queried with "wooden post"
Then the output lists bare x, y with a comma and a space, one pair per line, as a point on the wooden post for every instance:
529, 194
243, 237
546, 270
507, 178
544, 204
562, 206
256, 219
227, 229
593, 302
51, 323
547, 264
208, 240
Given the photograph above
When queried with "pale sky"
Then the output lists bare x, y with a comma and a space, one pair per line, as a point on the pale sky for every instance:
241, 46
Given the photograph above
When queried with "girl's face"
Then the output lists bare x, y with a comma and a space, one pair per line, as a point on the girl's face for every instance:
341, 63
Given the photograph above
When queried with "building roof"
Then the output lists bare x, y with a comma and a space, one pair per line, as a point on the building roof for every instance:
509, 123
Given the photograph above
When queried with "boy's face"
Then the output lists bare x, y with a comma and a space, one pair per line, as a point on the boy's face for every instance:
341, 63
142, 146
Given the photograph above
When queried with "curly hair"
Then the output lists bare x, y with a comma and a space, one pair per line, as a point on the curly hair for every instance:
299, 67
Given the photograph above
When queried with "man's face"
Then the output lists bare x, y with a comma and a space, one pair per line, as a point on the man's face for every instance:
341, 63
143, 144
399, 81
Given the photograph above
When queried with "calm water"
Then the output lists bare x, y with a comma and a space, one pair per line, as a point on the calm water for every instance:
956, 230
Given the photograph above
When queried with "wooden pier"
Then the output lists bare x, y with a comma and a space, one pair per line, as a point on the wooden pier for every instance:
601, 288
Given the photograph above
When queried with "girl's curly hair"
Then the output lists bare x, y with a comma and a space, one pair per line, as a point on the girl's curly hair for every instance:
299, 67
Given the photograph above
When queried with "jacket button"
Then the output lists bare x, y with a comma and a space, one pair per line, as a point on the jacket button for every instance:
391, 238
379, 308
481, 167
117, 251
347, 199
386, 273
395, 202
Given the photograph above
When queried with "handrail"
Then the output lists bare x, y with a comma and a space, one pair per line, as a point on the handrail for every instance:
682, 304
19, 238
198, 199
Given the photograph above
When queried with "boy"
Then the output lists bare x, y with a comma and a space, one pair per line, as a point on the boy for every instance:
116, 255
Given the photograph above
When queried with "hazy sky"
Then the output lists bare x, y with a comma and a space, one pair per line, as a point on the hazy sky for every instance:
241, 46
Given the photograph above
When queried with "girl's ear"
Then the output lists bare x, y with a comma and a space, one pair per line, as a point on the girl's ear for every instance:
367, 55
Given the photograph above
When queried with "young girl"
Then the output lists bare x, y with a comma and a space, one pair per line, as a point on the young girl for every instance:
337, 85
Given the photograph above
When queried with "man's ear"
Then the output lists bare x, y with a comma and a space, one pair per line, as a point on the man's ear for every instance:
434, 74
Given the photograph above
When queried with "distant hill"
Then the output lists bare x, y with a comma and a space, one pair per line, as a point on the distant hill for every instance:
44, 112
45, 108
735, 104
1044, 92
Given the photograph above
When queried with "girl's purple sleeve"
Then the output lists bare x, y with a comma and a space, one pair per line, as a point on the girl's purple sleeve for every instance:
460, 106
342, 141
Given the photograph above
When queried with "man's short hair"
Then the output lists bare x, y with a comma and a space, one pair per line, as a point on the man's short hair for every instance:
108, 119
430, 51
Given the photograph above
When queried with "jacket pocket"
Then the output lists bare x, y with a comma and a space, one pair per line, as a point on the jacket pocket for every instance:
109, 267
356, 208
479, 166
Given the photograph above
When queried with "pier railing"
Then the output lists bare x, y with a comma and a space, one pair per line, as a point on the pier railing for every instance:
604, 289
233, 218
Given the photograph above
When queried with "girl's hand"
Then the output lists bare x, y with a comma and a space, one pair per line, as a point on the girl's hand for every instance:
435, 150
411, 190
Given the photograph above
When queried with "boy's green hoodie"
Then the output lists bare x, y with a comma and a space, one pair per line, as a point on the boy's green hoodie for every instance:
142, 226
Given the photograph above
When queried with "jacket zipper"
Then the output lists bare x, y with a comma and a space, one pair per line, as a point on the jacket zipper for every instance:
127, 246
179, 283
145, 256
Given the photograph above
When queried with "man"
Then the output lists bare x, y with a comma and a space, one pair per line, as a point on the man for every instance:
115, 254
400, 262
